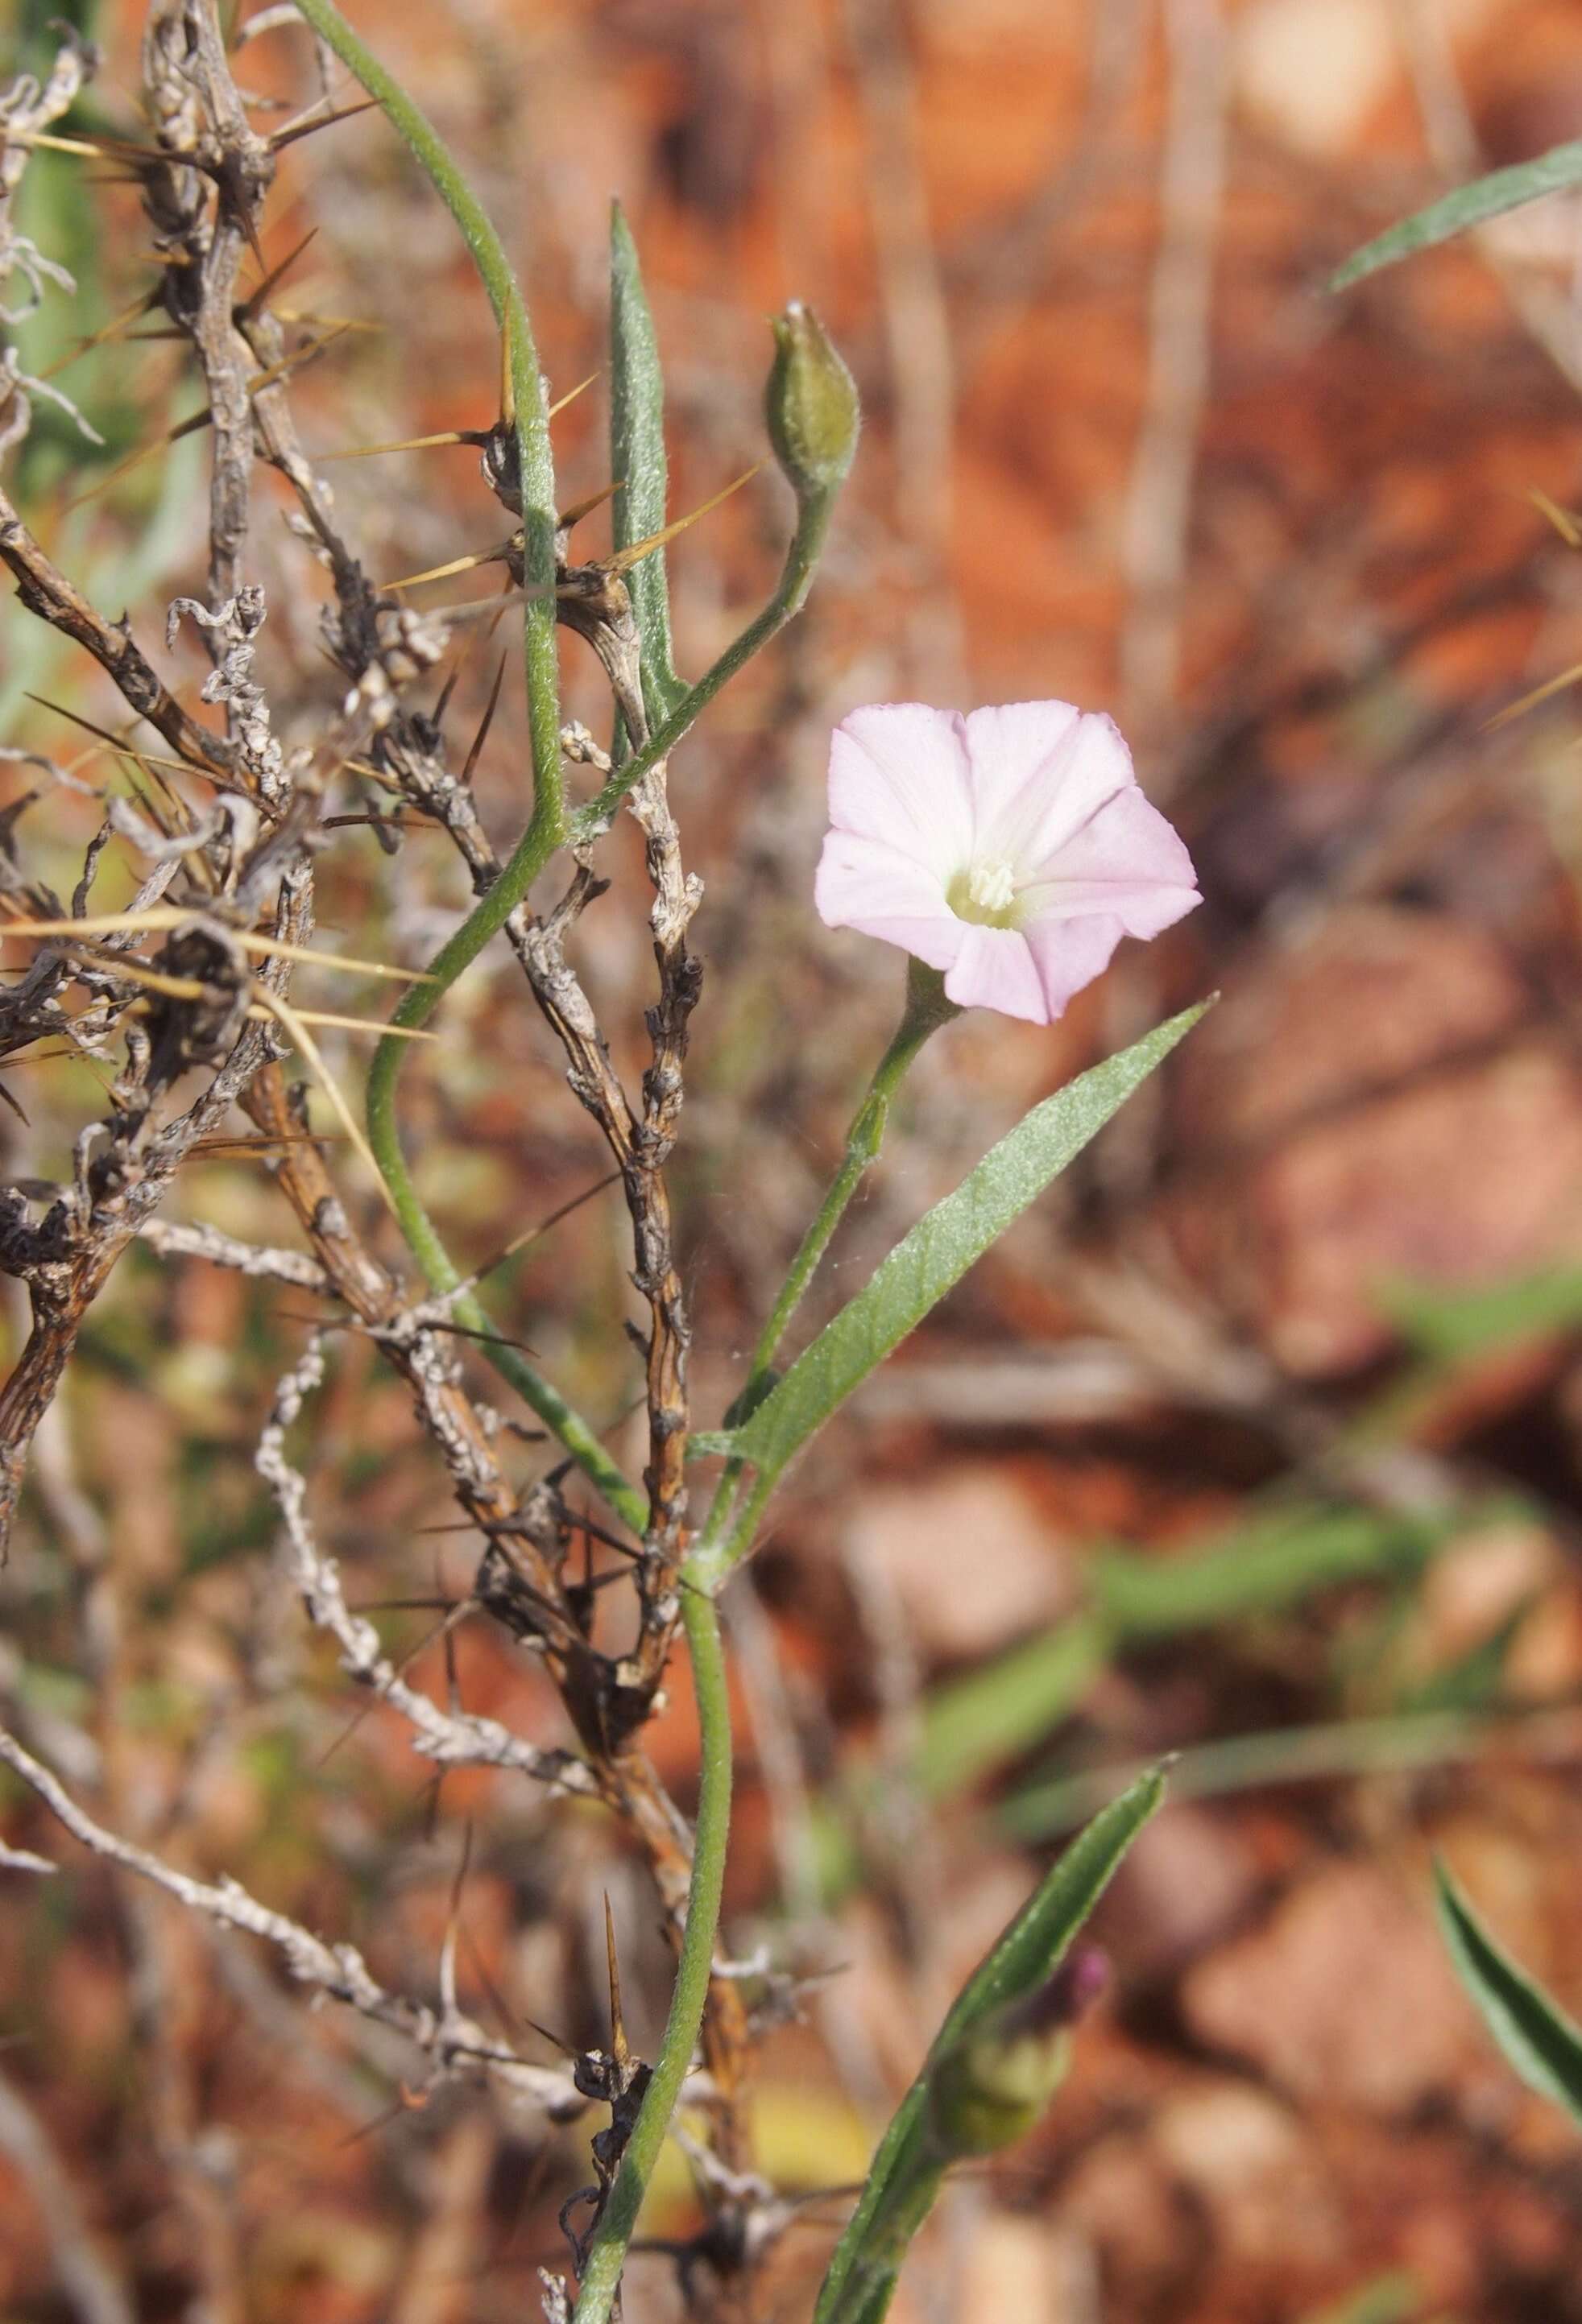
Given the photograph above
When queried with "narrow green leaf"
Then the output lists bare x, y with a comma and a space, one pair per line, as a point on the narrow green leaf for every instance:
637, 462
1468, 205
939, 1249
1538, 2039
1036, 1943
906, 2171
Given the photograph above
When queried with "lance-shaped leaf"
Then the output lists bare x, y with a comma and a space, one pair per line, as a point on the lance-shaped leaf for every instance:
1469, 205
637, 460
916, 2150
1539, 2040
935, 1256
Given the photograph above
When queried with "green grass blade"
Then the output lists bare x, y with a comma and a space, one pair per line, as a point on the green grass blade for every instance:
937, 1252
1011, 1703
1538, 2039
976, 1722
1392, 2299
1468, 205
1280, 1755
1450, 1326
906, 2172
1262, 1567
637, 463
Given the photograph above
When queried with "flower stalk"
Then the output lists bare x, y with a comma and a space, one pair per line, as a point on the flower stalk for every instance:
927, 1008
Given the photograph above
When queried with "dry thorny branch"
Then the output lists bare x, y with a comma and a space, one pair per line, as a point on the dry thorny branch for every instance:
199, 1023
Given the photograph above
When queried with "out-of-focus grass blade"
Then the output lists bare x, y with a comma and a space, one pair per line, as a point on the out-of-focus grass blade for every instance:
1451, 1325
1279, 1754
973, 1723
1539, 2040
1474, 1681
1262, 1567
907, 2170
1388, 2300
61, 213
933, 1257
995, 1713
637, 462
1468, 205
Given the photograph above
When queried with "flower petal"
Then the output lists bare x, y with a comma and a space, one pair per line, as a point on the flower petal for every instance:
864, 884
1031, 813
898, 774
1039, 770
1125, 860
995, 969
1070, 954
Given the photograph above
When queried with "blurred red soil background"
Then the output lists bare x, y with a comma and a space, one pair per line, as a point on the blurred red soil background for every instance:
1283, 1383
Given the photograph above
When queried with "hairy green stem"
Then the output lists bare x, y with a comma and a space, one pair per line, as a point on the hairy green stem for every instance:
546, 828
421, 1234
606, 2253
534, 455
926, 1009
606, 2256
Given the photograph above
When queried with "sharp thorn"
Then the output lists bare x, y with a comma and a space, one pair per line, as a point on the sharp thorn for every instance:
619, 2049
624, 558
572, 393
255, 298
112, 329
305, 128
481, 737
508, 384
457, 565
579, 509
406, 444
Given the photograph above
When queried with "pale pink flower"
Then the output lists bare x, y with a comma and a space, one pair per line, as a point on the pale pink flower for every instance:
1012, 848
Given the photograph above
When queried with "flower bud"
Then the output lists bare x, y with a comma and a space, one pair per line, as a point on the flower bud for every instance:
811, 404
994, 2087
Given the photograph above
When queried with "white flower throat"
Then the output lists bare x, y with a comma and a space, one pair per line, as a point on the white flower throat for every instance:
984, 893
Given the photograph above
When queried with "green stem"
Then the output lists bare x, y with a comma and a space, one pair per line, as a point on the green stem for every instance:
606, 2256
721, 1545
421, 1234
906, 2194
790, 593
546, 828
534, 455
926, 1009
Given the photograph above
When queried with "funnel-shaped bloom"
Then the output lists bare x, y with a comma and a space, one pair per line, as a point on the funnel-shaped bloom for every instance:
1010, 848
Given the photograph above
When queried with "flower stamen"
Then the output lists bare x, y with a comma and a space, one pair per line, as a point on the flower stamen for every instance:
985, 894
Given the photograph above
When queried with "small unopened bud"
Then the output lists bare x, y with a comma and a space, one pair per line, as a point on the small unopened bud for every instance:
811, 404
995, 2088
